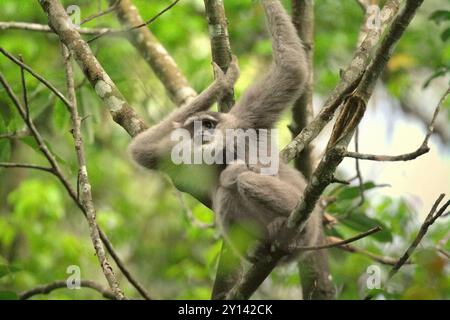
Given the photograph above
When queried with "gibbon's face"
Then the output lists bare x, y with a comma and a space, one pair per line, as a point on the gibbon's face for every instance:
206, 127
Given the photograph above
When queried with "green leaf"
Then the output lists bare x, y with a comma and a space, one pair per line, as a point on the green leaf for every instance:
340, 207
354, 192
8, 295
445, 35
30, 141
203, 213
6, 269
60, 116
360, 222
5, 150
438, 73
439, 16
6, 114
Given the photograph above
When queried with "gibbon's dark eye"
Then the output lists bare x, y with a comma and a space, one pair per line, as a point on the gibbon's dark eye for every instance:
208, 124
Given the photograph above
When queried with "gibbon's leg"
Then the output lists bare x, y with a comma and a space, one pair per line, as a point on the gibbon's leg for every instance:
151, 145
263, 190
268, 191
263, 102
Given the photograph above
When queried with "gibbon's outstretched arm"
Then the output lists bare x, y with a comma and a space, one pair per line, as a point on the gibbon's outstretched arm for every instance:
149, 146
263, 102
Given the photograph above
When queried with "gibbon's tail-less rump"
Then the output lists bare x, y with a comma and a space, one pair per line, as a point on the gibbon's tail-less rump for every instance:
242, 198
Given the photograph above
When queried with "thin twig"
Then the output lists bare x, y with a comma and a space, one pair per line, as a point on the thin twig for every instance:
404, 157
446, 238
424, 148
15, 134
178, 89
431, 218
444, 253
72, 193
13, 25
120, 110
85, 186
34, 132
57, 171
62, 284
340, 181
26, 166
101, 13
146, 23
342, 242
36, 75
353, 249
24, 89
418, 110
350, 79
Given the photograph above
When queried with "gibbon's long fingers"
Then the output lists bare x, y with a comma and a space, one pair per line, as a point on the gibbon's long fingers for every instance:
233, 72
205, 99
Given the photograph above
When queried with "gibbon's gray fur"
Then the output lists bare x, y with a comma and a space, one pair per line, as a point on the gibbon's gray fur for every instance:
239, 194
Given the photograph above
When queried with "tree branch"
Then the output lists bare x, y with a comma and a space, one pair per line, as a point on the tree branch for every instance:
314, 268
140, 25
59, 174
423, 149
61, 284
108, 10
302, 111
44, 81
105, 88
352, 249
15, 134
418, 112
220, 43
430, 219
403, 157
341, 242
350, 79
85, 186
26, 166
229, 264
154, 53
44, 28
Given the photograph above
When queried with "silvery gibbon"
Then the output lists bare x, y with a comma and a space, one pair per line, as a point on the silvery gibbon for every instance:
241, 196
